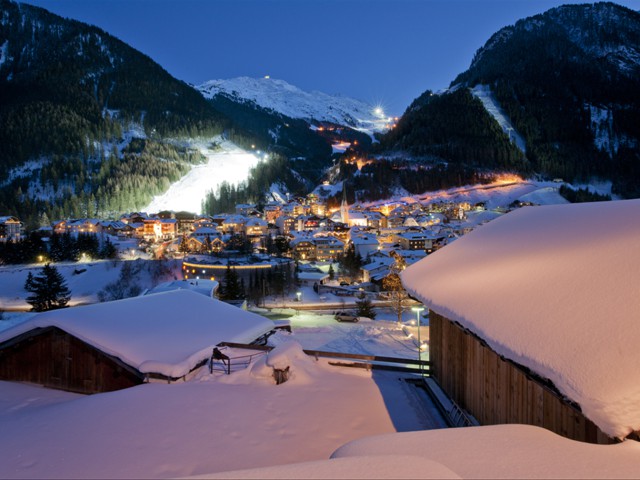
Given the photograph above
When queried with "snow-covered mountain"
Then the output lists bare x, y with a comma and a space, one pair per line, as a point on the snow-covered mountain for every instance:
282, 97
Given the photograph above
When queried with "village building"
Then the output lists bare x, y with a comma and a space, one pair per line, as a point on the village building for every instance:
303, 248
365, 244
312, 277
152, 229
256, 227
84, 225
377, 268
168, 228
134, 217
204, 221
375, 220
327, 248
534, 319
234, 224
286, 224
196, 267
114, 345
245, 209
272, 211
415, 241
10, 229
59, 227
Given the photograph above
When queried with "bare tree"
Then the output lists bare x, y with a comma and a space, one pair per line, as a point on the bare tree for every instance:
392, 284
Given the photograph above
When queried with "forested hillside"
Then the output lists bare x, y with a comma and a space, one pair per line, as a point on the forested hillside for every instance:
454, 127
568, 79
575, 95
69, 94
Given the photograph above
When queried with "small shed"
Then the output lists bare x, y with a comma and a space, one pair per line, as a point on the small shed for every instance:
114, 345
534, 319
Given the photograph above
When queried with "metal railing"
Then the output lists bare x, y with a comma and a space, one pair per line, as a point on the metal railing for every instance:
368, 362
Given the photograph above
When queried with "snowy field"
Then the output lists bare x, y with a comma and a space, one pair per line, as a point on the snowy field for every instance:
84, 279
231, 164
499, 194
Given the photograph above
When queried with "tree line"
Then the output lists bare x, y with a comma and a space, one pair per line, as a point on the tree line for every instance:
59, 248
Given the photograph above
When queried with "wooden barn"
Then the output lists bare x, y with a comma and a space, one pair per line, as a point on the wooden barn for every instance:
115, 345
535, 319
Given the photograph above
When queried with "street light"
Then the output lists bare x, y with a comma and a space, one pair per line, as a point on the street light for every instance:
299, 295
418, 310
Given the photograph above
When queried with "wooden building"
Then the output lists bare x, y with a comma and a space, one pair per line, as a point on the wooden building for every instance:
53, 358
114, 345
497, 390
534, 319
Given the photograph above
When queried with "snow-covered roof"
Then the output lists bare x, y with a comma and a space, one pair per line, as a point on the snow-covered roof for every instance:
556, 289
497, 451
201, 286
167, 333
205, 231
254, 221
311, 276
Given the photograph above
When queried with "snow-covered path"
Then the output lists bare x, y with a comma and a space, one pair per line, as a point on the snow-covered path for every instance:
483, 93
231, 164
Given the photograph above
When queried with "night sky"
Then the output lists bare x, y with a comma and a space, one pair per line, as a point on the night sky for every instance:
381, 51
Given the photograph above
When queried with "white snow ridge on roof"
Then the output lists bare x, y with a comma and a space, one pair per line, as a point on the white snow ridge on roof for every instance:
556, 289
167, 333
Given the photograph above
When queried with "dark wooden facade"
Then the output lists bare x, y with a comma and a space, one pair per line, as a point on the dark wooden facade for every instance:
53, 358
495, 390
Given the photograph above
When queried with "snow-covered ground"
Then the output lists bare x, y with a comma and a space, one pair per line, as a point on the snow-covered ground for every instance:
230, 164
212, 423
84, 279
500, 194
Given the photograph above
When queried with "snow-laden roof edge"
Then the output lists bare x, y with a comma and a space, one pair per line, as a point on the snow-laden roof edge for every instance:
167, 333
555, 289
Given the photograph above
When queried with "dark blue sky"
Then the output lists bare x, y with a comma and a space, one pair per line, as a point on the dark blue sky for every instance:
380, 51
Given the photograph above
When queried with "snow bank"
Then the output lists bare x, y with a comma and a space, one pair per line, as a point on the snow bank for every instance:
554, 288
504, 451
381, 466
544, 196
167, 333
303, 370
189, 428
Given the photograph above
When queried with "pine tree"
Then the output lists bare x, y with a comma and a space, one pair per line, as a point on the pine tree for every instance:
49, 290
364, 308
108, 249
232, 289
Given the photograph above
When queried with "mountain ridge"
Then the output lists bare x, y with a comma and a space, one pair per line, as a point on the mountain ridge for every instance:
282, 97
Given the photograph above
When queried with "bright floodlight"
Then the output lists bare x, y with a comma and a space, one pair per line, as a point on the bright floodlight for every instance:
378, 111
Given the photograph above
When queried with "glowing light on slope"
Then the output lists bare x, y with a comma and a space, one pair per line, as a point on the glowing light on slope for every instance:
231, 165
